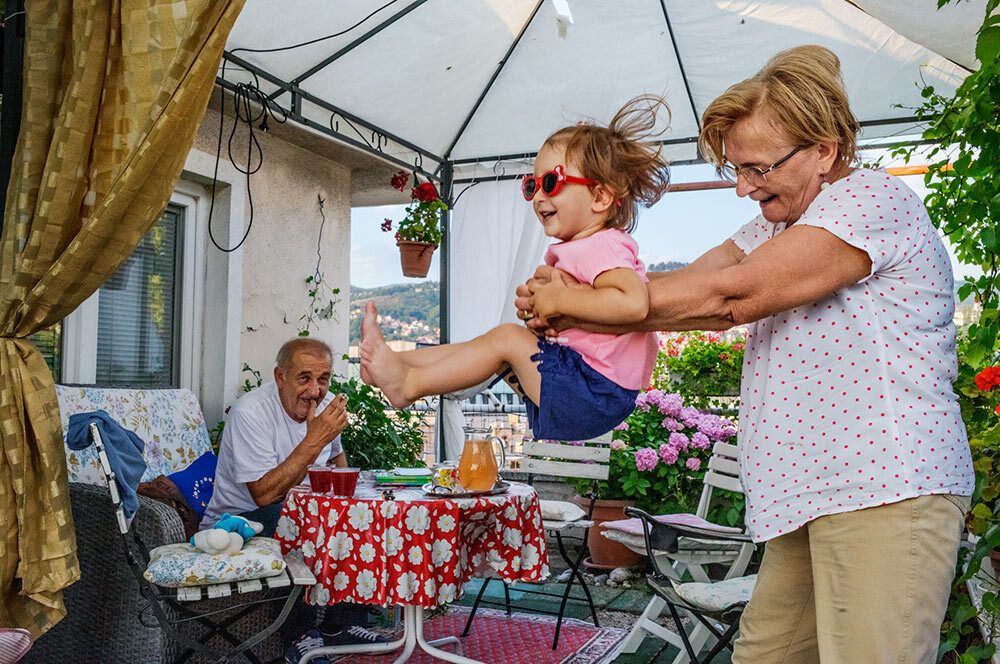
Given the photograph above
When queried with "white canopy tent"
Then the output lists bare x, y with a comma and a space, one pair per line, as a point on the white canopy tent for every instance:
465, 91
464, 80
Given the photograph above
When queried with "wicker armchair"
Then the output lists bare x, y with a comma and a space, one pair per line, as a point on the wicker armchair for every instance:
107, 620
103, 622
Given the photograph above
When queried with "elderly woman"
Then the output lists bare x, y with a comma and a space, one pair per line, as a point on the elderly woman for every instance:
853, 453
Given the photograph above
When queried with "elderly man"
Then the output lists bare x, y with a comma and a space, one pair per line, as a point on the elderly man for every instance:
272, 435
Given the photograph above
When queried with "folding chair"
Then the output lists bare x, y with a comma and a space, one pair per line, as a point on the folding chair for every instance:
716, 605
692, 554
589, 461
170, 606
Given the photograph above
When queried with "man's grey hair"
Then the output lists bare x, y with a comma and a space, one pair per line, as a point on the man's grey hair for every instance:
300, 344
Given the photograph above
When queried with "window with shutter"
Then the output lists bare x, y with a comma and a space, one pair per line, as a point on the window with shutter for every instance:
138, 320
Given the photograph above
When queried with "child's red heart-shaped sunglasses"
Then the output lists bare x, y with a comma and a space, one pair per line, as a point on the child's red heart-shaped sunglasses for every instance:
550, 183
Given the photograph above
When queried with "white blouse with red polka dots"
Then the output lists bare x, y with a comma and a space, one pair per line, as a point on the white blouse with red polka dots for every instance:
847, 403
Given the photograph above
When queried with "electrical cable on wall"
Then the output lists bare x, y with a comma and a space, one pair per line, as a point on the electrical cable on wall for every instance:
244, 95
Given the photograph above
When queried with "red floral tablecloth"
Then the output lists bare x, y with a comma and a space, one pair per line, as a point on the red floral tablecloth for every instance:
415, 549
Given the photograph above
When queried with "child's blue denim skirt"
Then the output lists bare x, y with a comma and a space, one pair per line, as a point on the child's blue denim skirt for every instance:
577, 402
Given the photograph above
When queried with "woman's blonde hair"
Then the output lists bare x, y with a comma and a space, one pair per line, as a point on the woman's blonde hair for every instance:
802, 92
621, 157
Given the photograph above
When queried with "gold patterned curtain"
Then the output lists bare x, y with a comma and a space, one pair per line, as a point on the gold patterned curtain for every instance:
114, 91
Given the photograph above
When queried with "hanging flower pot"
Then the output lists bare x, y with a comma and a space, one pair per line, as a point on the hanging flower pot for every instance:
415, 257
419, 232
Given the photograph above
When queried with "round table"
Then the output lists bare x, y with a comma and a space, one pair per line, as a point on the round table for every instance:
413, 550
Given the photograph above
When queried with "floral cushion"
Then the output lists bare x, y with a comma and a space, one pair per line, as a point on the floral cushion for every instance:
175, 565
170, 422
719, 595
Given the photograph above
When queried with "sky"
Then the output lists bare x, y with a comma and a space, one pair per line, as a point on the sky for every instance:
680, 227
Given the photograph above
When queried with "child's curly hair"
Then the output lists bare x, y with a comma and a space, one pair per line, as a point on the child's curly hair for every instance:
621, 157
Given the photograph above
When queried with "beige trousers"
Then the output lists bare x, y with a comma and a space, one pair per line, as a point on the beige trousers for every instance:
863, 587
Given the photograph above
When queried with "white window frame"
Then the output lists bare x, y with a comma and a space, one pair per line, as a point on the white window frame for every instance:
212, 281
80, 327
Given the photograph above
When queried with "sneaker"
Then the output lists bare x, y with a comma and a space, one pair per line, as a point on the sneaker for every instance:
354, 635
300, 646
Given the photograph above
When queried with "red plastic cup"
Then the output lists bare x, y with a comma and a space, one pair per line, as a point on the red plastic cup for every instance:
344, 480
321, 478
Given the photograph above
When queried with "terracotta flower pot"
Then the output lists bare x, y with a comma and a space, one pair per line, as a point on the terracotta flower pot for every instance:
995, 559
415, 257
604, 553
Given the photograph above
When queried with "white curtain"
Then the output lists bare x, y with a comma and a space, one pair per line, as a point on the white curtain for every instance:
496, 243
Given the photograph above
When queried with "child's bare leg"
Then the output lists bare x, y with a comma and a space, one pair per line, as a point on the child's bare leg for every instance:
474, 361
462, 366
413, 358
427, 355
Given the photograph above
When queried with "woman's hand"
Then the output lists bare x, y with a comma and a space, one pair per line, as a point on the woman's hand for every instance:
546, 295
535, 300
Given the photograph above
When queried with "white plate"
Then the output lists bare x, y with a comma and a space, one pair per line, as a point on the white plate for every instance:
412, 472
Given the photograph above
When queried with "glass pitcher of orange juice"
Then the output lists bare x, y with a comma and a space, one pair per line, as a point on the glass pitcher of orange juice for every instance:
478, 468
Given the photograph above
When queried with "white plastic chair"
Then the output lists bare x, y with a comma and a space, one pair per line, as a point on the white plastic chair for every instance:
693, 554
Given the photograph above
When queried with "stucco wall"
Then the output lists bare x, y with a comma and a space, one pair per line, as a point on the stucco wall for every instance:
280, 249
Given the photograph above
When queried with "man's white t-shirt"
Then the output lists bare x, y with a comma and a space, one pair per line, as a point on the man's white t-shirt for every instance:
257, 437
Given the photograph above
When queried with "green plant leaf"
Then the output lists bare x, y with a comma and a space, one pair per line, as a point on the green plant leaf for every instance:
988, 45
948, 643
980, 653
989, 236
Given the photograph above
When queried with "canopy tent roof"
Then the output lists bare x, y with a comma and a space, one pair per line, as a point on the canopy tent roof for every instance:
423, 83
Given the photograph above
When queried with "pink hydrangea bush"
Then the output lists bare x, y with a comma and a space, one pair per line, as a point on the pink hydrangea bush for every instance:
659, 456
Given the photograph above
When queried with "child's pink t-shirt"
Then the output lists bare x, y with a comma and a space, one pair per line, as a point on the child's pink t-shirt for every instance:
627, 359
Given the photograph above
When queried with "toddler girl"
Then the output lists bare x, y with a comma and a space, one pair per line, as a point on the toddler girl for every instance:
587, 185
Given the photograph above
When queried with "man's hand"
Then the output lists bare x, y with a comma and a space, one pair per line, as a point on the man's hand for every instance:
328, 424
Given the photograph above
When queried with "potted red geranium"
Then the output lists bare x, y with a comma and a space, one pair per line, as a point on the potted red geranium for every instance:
418, 234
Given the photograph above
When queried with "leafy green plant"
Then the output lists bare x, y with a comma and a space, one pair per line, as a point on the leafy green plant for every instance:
964, 203
978, 395
699, 365
322, 302
215, 435
659, 456
323, 299
254, 381
377, 435
964, 178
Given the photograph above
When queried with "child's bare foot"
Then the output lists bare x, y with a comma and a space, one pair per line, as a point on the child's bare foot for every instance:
380, 366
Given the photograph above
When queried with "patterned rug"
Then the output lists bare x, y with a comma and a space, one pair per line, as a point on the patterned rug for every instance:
519, 639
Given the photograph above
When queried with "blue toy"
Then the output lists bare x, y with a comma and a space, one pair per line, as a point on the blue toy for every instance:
228, 536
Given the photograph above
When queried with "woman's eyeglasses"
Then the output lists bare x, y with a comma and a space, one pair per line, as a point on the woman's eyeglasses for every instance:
754, 176
550, 183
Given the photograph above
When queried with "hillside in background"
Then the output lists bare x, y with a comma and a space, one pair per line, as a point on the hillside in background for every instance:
409, 312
